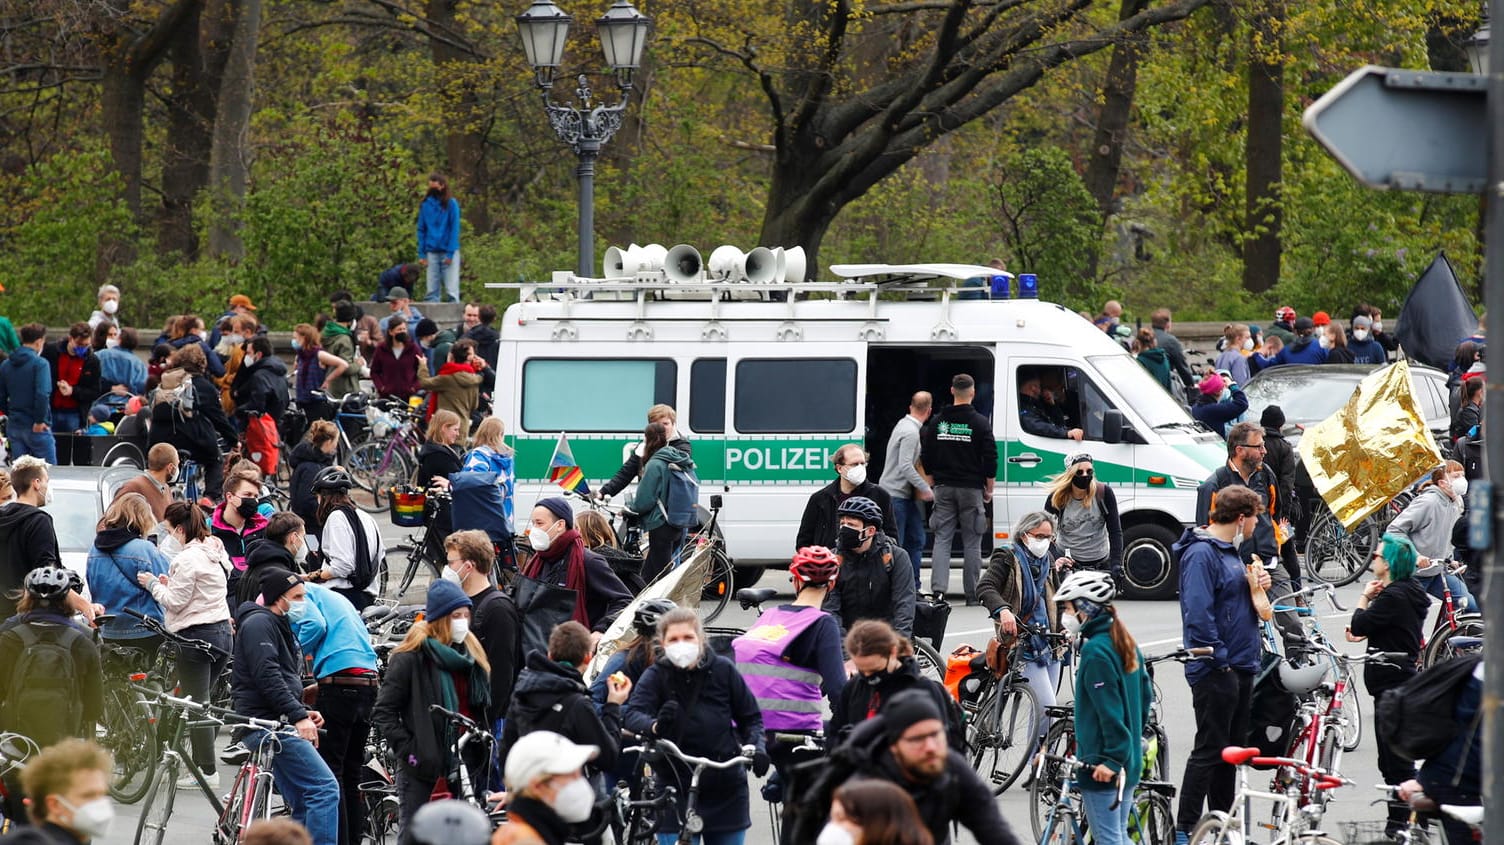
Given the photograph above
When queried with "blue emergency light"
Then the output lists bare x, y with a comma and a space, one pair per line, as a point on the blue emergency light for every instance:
1028, 286
1000, 284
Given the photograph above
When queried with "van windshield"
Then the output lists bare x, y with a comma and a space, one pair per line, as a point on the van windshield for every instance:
1140, 390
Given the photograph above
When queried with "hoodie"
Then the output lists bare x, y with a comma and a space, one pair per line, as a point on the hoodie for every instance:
118, 556
262, 554
333, 634
1427, 522
1157, 363
1216, 605
487, 342
551, 696
26, 388
1305, 350
1392, 622
438, 227
27, 541
267, 680
262, 388
653, 491
306, 461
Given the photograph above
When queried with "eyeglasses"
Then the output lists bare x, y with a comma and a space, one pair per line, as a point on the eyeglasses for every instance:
1029, 536
1258, 448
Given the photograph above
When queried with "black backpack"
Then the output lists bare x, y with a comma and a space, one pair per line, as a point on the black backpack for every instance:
44, 700
1418, 718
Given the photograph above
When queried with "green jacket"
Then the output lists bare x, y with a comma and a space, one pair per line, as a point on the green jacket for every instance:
9, 340
653, 488
1158, 364
1111, 706
343, 345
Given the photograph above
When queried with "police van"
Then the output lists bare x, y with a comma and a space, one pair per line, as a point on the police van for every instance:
770, 377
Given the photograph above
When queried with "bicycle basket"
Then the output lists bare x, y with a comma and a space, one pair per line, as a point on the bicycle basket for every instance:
408, 504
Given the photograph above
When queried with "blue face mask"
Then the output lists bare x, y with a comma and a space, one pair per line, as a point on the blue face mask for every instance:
297, 609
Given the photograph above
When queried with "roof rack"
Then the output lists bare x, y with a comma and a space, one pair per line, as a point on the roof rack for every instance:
857, 278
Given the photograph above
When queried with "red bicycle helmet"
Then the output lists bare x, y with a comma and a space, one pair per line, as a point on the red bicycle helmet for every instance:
815, 565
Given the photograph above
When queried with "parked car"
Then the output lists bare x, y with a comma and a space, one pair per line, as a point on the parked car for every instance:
80, 496
1309, 394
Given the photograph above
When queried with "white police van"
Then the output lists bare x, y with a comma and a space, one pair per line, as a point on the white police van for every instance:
767, 389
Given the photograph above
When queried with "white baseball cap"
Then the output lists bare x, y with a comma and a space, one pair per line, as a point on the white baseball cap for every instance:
544, 753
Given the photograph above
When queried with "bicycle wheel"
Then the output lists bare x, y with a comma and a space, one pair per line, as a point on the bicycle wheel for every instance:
1212, 830
1336, 556
719, 577
131, 739
930, 662
1152, 820
1061, 830
411, 558
1329, 757
1044, 791
151, 828
1352, 711
1440, 649
376, 471
1007, 730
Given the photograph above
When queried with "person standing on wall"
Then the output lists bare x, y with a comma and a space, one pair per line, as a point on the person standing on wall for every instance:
439, 239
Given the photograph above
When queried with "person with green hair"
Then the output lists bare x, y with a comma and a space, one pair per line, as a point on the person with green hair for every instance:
1390, 615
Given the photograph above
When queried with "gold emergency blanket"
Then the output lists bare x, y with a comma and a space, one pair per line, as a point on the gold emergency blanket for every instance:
1378, 444
682, 585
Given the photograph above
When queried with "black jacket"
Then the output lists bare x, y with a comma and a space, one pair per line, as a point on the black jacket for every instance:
717, 716
552, 697
1467, 416
1280, 459
818, 525
957, 447
605, 594
262, 388
306, 461
860, 700
263, 553
27, 541
199, 434
633, 465
267, 679
875, 584
45, 834
88, 387
436, 459
958, 795
1260, 481
401, 714
496, 623
1392, 622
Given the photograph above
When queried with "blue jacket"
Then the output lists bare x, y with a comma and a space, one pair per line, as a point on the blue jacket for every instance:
1217, 416
1302, 351
216, 365
1367, 351
26, 388
117, 366
117, 556
438, 227
332, 631
1216, 606
484, 459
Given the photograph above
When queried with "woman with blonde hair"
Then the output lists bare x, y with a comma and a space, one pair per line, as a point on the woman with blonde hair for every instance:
1086, 511
121, 552
490, 453
439, 663
440, 456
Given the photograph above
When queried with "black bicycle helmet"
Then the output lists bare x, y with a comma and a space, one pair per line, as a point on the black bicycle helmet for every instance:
50, 583
332, 479
449, 822
862, 508
645, 618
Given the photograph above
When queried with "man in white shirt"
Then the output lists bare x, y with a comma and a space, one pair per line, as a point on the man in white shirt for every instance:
903, 480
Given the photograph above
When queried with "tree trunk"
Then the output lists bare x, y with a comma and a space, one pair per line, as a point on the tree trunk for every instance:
1264, 149
123, 95
198, 57
466, 118
1106, 160
230, 156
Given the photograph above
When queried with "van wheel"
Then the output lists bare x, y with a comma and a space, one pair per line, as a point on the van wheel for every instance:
743, 576
1148, 568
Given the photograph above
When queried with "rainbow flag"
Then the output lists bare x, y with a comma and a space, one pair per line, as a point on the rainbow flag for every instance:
563, 469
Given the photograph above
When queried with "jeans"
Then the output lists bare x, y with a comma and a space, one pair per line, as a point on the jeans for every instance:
909, 514
1222, 701
1461, 597
306, 784
196, 674
24, 441
957, 507
1042, 680
347, 725
1108, 826
443, 275
725, 837
66, 421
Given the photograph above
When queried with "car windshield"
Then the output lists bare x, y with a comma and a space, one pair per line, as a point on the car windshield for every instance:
74, 514
1306, 398
1133, 383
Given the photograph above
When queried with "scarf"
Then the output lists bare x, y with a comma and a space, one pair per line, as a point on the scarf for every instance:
571, 544
450, 660
1032, 579
541, 818
332, 328
449, 368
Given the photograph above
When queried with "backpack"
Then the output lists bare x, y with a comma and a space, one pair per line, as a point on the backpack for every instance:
45, 700
1417, 718
176, 391
681, 496
365, 561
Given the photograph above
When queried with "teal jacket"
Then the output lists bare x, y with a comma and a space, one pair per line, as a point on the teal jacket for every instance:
1110, 708
653, 487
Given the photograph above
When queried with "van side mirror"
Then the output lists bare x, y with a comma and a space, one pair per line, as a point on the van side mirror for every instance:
1113, 425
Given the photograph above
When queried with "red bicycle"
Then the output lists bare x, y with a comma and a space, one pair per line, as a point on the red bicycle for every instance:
1456, 632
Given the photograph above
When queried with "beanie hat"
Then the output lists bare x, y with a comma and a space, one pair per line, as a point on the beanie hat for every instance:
275, 583
1273, 417
906, 709
1362, 322
426, 328
344, 311
1321, 318
560, 508
444, 598
1212, 385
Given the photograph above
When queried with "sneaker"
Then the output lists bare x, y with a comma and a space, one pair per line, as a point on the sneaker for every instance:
186, 780
1182, 837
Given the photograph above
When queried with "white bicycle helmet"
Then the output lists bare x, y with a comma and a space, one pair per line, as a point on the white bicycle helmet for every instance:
1089, 585
1303, 680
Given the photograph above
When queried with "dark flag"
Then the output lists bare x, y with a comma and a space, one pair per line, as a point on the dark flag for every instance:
1436, 316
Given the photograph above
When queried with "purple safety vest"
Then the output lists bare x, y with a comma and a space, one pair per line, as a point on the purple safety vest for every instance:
789, 695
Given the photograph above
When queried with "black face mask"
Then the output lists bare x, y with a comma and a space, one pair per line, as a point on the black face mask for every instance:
247, 507
435, 193
1082, 480
848, 537
399, 338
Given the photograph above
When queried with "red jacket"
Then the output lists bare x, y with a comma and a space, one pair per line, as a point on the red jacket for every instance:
394, 375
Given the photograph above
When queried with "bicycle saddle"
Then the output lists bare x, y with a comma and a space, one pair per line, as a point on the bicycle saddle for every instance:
755, 595
1159, 787
377, 612
1237, 756
235, 755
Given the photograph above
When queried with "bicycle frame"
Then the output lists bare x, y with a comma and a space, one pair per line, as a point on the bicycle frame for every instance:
1295, 820
692, 824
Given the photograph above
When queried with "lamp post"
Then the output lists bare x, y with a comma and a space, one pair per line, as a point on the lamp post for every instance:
1476, 48
623, 32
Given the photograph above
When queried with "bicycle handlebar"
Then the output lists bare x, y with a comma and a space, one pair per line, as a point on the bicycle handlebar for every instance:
158, 628
219, 714
1183, 655
458, 718
743, 759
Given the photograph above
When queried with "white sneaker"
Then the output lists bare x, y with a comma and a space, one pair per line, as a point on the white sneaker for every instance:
186, 780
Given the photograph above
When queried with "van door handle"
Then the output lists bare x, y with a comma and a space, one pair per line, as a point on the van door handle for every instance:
1025, 458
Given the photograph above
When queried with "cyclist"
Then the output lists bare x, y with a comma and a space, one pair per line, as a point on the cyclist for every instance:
490, 453
546, 791
696, 699
631, 468
1020, 584
1427, 523
119, 553
439, 458
69, 798
50, 676
351, 540
439, 662
650, 502
315, 452
1390, 615
28, 538
1113, 697
884, 666
237, 521
268, 684
877, 580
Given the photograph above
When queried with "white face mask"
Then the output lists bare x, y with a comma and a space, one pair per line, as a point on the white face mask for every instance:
1037, 546
575, 801
453, 576
91, 820
1325, 342
834, 834
1070, 622
300, 556
538, 538
683, 655
1360, 335
1248, 343
1459, 485
110, 306
855, 474
1377, 326
112, 343
297, 609
459, 629
47, 496
1237, 539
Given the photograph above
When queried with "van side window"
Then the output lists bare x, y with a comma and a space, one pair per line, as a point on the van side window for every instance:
795, 396
707, 395
1054, 400
593, 394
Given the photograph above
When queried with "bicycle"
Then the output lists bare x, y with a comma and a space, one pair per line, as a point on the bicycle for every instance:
1294, 822
1003, 725
1415, 831
1065, 820
1455, 632
472, 734
1348, 707
639, 816
15, 750
389, 455
1339, 557
417, 551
